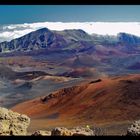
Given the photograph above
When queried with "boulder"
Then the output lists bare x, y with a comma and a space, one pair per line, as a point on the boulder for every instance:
12, 123
61, 131
41, 133
82, 131
78, 131
134, 129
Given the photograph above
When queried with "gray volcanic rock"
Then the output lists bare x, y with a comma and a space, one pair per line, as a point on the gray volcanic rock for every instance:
12, 123
134, 129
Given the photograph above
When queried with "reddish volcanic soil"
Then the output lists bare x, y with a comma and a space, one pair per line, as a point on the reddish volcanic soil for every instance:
105, 101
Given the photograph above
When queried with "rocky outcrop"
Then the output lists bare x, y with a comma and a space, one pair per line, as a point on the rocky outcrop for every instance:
61, 131
63, 92
81, 131
12, 123
41, 133
134, 129
95, 81
78, 131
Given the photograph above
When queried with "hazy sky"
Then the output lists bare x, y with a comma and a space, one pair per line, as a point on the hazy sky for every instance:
15, 14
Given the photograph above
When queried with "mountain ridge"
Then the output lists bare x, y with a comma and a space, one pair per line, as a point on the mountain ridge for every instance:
66, 39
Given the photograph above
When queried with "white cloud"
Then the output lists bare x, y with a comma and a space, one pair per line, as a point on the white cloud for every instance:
9, 32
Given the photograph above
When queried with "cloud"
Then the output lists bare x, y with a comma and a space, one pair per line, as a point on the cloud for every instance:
9, 32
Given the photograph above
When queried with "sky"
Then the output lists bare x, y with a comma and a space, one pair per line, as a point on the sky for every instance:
15, 14
18, 20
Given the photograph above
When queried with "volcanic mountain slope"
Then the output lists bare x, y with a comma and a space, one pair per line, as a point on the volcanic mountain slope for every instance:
75, 40
21, 84
74, 49
46, 39
101, 101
